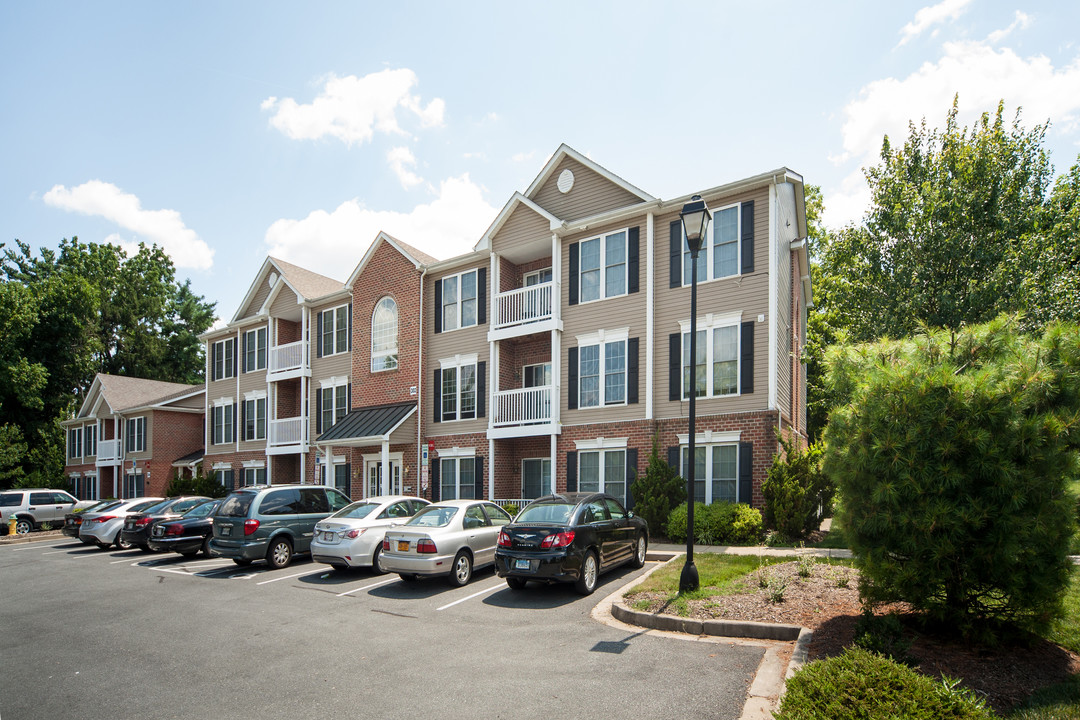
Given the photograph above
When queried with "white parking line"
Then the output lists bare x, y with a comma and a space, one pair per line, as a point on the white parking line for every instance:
305, 572
475, 594
38, 546
57, 552
366, 587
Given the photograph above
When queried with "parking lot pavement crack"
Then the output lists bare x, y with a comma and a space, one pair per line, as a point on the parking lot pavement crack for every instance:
402, 615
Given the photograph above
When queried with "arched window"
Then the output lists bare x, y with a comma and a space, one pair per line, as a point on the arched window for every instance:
384, 335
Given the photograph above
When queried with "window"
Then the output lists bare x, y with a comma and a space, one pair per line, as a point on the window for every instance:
458, 478
86, 488
459, 300
716, 471
537, 276
716, 367
74, 443
602, 374
535, 477
133, 485
255, 350
90, 441
334, 326
603, 471
458, 392
603, 267
720, 250
384, 336
255, 476
255, 418
223, 359
222, 419
536, 375
136, 435
333, 404
341, 477
225, 478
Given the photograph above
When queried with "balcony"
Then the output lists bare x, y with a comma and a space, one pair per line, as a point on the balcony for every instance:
524, 406
524, 310
287, 433
288, 361
109, 452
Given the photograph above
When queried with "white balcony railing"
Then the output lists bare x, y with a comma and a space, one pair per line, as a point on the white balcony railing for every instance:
525, 406
284, 358
524, 305
289, 431
108, 451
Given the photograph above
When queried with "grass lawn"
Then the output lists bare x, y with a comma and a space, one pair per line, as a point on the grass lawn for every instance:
1060, 701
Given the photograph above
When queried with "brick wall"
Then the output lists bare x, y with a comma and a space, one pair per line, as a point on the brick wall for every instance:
288, 399
470, 440
288, 331
175, 435
516, 353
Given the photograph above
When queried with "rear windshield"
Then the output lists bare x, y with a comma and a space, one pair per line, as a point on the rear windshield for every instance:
156, 505
108, 505
433, 516
10, 499
547, 513
202, 510
143, 507
236, 505
356, 511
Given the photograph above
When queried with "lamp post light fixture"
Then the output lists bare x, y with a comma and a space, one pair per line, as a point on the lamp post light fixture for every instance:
695, 218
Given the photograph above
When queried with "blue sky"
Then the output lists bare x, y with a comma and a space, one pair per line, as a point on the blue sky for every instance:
228, 131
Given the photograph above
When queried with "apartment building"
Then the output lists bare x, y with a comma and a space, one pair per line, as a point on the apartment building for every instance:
131, 436
545, 359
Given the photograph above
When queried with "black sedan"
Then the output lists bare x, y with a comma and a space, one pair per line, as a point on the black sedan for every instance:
73, 520
572, 537
136, 531
187, 535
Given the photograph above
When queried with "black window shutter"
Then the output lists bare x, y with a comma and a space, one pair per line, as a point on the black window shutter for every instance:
632, 371
572, 378
240, 421
318, 334
632, 264
318, 410
436, 396
478, 478
481, 389
348, 480
230, 480
673, 458
575, 264
235, 359
675, 366
747, 237
481, 296
140, 487
438, 306
571, 471
243, 351
746, 473
234, 435
348, 392
631, 473
435, 486
348, 340
213, 361
675, 272
746, 370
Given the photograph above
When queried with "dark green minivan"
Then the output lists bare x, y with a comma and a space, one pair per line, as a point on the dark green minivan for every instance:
271, 522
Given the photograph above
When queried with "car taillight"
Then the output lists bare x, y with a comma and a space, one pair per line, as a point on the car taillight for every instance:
250, 526
504, 539
103, 518
386, 543
142, 522
355, 533
555, 540
174, 529
426, 546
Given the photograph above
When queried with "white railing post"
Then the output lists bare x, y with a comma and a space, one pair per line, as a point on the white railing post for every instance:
524, 305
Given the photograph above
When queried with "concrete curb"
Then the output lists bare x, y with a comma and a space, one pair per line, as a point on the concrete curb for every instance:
718, 628
40, 536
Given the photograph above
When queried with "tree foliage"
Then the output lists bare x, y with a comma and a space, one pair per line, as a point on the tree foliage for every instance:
953, 451
657, 491
798, 495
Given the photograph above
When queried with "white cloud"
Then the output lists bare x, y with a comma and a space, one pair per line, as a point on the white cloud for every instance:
163, 227
332, 243
932, 15
1022, 21
401, 159
352, 109
523, 156
981, 75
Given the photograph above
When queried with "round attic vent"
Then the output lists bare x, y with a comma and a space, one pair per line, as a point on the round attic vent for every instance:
272, 279
566, 181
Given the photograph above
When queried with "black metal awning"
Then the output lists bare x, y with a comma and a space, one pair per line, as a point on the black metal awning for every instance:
367, 424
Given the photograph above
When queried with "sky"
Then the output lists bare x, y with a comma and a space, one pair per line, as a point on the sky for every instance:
225, 132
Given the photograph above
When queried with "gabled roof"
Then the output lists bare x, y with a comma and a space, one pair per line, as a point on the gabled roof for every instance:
565, 151
484, 242
122, 393
418, 258
307, 285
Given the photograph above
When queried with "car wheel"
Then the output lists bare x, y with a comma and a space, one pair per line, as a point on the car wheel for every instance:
516, 583
279, 554
242, 562
206, 546
586, 581
121, 543
461, 570
640, 549
23, 526
376, 561
408, 577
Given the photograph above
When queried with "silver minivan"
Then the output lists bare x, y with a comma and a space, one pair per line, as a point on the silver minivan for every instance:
271, 522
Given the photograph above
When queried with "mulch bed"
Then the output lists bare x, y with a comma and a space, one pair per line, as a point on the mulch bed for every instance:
1005, 675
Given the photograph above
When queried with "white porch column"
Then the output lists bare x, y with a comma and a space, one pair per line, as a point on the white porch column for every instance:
491, 469
384, 485
554, 460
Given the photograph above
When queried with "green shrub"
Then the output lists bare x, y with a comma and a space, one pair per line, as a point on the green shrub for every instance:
720, 523
884, 635
862, 684
658, 491
511, 509
198, 485
798, 495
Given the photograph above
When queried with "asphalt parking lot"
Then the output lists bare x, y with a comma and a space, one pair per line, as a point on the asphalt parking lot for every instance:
125, 634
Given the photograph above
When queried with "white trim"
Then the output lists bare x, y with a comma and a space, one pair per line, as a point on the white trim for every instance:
602, 238
774, 268
710, 437
223, 401
456, 452
383, 355
459, 361
602, 443
332, 311
484, 243
256, 464
565, 151
708, 245
459, 303
333, 382
602, 336
650, 289
710, 321
254, 395
377, 457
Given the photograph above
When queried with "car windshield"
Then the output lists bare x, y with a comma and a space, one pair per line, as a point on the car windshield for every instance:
236, 505
10, 499
546, 513
357, 511
143, 507
433, 516
202, 510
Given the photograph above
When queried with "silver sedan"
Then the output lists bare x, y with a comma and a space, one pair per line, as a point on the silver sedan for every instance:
449, 538
104, 528
353, 536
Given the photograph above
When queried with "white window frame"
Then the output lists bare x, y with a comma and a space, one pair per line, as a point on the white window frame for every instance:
89, 439
88, 481
708, 249
603, 338
338, 390
454, 456
602, 446
227, 368
709, 325
373, 473
219, 470
253, 467
460, 301
603, 269
386, 357
260, 430
545, 481
709, 440
75, 445
226, 407
253, 349
537, 274
456, 364
331, 314
139, 423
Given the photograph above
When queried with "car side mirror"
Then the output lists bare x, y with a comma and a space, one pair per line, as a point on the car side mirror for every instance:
629, 513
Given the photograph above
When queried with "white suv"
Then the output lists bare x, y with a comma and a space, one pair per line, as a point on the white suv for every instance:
35, 507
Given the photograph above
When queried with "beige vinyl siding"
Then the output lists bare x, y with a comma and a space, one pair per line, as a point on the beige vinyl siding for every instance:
285, 303
745, 294
523, 227
786, 228
140, 456
251, 382
261, 293
591, 194
615, 313
444, 345
195, 402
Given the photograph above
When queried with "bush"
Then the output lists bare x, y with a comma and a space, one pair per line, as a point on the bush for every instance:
198, 485
658, 491
511, 509
720, 523
798, 495
953, 455
862, 684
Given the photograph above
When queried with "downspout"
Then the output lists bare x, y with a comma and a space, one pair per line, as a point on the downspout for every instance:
420, 389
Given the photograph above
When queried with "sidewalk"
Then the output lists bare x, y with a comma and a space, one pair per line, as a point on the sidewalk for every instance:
669, 550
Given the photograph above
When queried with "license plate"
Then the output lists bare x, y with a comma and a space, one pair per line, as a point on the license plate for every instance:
328, 537
522, 565
403, 546
226, 530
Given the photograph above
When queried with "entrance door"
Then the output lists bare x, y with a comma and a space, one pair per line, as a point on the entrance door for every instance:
373, 472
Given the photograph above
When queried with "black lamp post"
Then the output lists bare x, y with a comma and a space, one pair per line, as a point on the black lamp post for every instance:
695, 220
